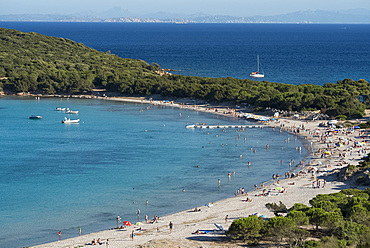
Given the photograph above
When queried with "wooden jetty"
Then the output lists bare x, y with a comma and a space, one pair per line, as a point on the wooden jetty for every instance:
224, 126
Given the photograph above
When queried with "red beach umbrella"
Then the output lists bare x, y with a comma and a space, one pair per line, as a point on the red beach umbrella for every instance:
127, 223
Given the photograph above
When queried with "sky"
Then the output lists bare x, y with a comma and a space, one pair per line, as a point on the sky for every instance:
242, 8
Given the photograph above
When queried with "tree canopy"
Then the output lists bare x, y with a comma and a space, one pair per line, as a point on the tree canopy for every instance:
339, 220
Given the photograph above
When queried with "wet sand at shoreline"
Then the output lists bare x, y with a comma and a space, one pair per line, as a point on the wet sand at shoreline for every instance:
297, 190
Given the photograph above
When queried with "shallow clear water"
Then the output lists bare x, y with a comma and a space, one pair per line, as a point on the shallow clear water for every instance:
58, 177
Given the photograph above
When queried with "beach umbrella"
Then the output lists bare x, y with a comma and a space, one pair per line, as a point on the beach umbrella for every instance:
127, 223
327, 152
356, 127
319, 162
138, 223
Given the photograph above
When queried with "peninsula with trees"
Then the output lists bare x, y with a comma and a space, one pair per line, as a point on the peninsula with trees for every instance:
35, 63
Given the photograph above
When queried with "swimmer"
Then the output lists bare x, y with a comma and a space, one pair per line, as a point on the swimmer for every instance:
241, 156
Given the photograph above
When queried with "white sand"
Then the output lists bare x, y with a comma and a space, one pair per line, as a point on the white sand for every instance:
187, 222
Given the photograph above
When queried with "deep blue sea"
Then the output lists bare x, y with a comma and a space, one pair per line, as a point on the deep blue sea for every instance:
289, 53
58, 177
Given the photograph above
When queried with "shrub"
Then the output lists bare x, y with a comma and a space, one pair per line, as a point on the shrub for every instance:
246, 228
276, 209
351, 167
298, 217
299, 207
311, 244
341, 117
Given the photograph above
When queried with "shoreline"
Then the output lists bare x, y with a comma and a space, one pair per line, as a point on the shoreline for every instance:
186, 222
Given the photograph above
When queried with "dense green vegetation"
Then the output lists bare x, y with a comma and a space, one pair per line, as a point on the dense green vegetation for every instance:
36, 63
337, 220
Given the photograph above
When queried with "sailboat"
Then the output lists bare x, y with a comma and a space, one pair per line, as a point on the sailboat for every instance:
257, 74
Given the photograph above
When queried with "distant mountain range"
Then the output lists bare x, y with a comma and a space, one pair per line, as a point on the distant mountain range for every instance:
121, 15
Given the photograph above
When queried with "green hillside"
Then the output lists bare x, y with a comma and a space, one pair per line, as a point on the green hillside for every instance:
36, 63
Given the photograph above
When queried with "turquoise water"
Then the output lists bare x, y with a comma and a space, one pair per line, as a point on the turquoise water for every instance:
59, 177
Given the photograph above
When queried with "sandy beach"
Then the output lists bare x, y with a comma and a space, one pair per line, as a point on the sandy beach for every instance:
327, 159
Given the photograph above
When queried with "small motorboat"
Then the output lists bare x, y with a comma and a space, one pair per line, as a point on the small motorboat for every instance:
60, 109
69, 121
69, 111
35, 117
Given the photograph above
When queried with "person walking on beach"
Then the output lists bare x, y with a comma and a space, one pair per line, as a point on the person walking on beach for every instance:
79, 230
132, 235
226, 217
146, 218
107, 243
171, 226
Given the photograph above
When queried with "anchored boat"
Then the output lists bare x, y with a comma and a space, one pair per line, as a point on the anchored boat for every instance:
69, 111
257, 74
69, 121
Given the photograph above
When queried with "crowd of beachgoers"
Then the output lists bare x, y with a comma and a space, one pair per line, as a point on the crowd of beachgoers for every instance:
329, 148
